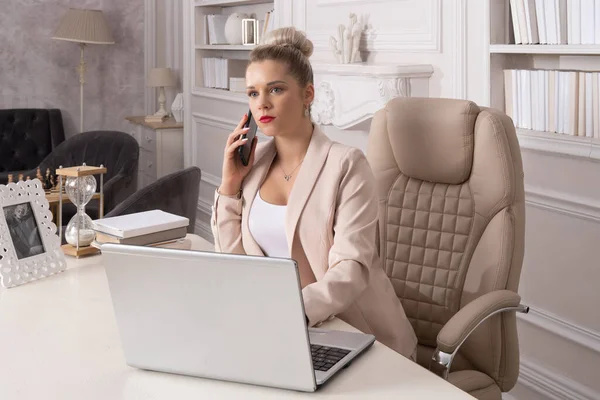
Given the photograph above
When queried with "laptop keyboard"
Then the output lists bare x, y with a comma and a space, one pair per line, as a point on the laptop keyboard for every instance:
326, 357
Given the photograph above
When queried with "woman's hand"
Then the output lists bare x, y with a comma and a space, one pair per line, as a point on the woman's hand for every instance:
234, 171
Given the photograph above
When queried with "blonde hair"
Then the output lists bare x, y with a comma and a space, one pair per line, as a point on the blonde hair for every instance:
290, 46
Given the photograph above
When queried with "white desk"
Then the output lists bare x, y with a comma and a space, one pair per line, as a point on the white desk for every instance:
59, 340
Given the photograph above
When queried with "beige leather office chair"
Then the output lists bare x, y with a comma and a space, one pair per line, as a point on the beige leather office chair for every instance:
450, 183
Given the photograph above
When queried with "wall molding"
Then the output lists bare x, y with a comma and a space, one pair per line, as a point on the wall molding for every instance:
212, 180
552, 385
149, 52
189, 148
560, 145
459, 54
424, 40
211, 120
564, 329
566, 204
201, 227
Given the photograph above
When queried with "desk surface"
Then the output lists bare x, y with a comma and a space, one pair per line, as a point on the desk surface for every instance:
59, 340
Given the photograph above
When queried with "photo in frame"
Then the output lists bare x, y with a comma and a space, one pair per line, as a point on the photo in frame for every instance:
250, 31
29, 246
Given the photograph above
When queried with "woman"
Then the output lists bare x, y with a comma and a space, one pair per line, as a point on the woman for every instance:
305, 197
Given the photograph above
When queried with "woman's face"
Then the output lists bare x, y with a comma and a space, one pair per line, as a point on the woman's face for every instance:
275, 98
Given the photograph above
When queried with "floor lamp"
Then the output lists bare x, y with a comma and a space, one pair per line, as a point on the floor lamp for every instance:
83, 27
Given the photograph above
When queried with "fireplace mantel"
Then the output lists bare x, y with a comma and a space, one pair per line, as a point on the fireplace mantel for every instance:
348, 94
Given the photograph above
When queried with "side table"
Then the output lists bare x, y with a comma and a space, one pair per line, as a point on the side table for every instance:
161, 148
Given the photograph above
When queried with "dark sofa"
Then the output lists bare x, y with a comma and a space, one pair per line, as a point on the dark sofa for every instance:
27, 136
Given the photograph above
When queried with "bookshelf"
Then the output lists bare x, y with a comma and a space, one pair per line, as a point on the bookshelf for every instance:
236, 55
504, 53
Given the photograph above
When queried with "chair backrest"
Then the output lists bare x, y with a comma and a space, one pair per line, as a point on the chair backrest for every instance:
176, 193
28, 135
450, 183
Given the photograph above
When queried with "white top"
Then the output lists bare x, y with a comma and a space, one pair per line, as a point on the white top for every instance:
60, 340
267, 226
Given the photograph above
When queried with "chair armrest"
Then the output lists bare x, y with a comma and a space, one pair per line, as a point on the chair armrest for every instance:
466, 320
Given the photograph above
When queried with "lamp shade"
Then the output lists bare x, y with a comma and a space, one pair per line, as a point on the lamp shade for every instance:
84, 26
158, 77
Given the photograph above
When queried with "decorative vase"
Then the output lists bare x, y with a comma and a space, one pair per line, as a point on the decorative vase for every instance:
233, 28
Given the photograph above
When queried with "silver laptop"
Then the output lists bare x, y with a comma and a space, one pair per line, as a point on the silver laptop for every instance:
221, 316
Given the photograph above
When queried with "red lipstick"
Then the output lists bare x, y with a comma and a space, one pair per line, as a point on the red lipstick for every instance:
265, 119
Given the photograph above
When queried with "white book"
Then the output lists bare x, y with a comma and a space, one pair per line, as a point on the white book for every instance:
597, 105
596, 21
515, 21
589, 110
545, 101
141, 223
552, 98
574, 22
560, 103
581, 109
532, 27
595, 114
526, 96
562, 15
518, 106
522, 21
540, 14
551, 21
588, 32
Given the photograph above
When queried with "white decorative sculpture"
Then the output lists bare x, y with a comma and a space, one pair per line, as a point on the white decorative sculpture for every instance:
346, 47
177, 107
233, 28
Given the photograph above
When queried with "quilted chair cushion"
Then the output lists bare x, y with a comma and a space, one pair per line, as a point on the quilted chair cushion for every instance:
117, 151
452, 219
26, 137
176, 193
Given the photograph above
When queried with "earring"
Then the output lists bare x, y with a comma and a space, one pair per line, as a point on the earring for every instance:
306, 111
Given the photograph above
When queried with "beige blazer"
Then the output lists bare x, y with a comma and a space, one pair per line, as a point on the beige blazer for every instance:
332, 229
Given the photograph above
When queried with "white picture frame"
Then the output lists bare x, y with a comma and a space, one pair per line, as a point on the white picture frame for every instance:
29, 246
250, 31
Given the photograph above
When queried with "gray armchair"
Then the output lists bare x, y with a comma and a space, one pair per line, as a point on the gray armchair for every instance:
176, 193
117, 151
27, 135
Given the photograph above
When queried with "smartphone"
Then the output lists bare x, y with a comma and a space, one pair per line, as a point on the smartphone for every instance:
245, 149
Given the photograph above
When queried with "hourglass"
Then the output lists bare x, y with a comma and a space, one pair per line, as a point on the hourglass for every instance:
80, 187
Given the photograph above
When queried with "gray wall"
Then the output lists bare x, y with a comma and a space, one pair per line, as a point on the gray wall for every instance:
39, 72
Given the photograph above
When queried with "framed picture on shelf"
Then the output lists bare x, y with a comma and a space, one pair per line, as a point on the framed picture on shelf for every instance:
250, 31
29, 246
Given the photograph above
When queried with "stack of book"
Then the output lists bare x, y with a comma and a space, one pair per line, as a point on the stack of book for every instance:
556, 21
217, 71
147, 228
559, 101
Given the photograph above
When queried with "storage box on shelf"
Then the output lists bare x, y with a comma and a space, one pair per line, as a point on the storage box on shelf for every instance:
538, 53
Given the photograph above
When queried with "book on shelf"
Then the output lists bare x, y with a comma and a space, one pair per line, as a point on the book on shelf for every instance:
214, 34
558, 101
555, 21
141, 223
217, 71
215, 29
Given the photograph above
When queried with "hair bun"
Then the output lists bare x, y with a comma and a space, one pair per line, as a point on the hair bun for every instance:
290, 37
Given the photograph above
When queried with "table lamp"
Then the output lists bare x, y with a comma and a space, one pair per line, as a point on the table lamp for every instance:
83, 27
160, 77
